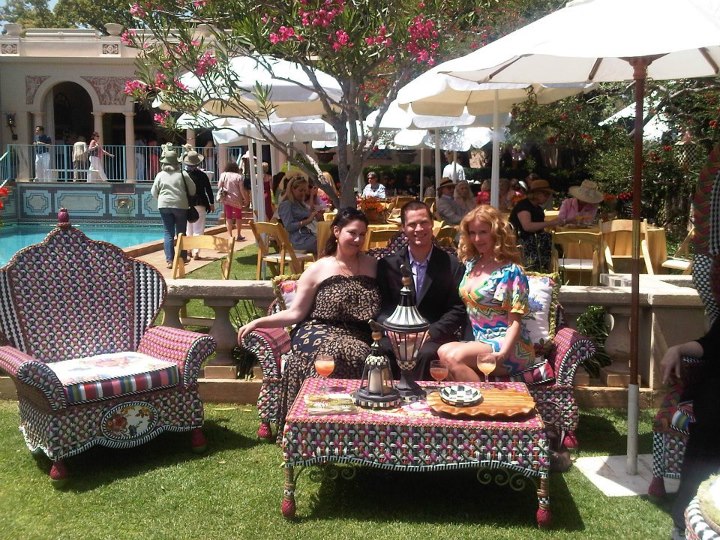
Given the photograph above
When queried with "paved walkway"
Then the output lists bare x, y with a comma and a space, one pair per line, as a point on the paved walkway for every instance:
153, 253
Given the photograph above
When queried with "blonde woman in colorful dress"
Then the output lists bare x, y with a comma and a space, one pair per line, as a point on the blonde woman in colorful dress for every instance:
495, 292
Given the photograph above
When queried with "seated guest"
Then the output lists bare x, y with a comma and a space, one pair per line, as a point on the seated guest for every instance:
582, 205
483, 196
373, 188
436, 276
495, 292
335, 298
299, 219
702, 452
464, 197
528, 219
448, 209
409, 186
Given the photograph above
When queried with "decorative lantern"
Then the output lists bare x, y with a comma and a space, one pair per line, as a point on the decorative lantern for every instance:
407, 330
376, 389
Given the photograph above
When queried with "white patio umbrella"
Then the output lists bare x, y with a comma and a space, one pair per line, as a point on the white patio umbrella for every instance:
288, 88
397, 118
608, 40
436, 93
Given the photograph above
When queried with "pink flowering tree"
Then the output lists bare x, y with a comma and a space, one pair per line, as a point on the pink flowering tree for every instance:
371, 47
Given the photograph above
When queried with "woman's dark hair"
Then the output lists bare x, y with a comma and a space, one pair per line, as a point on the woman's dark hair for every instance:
232, 167
342, 219
277, 179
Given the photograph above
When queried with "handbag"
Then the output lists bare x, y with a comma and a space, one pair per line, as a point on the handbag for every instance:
192, 214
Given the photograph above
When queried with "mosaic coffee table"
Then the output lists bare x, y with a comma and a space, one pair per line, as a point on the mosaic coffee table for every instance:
414, 439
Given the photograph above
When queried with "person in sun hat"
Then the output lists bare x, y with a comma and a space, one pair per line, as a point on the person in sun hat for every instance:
582, 205
448, 209
204, 200
528, 219
171, 188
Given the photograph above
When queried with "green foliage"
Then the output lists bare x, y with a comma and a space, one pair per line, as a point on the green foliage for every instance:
592, 324
28, 13
92, 14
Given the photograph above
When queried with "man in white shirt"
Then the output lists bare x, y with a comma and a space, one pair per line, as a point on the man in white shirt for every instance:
373, 188
453, 170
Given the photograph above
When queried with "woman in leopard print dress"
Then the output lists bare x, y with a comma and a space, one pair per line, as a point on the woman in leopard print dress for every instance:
336, 296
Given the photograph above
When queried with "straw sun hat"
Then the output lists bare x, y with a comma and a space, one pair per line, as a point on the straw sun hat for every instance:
169, 157
587, 192
446, 183
193, 158
540, 186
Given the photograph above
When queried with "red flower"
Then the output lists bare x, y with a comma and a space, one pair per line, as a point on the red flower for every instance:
713, 123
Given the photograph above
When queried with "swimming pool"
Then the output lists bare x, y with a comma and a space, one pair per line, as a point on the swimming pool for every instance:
16, 237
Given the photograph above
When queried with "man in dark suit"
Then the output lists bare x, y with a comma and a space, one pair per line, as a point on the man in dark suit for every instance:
436, 277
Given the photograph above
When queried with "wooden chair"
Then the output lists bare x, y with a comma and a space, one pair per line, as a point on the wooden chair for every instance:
446, 236
204, 241
402, 200
324, 230
682, 259
379, 238
617, 240
274, 234
574, 262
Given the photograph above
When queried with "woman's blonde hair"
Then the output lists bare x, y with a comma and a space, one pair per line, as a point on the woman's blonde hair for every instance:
505, 250
291, 183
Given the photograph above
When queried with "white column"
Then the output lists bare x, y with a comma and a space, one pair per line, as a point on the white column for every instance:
131, 174
190, 137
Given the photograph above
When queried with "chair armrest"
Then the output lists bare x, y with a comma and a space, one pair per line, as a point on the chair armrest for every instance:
570, 351
268, 344
26, 370
187, 349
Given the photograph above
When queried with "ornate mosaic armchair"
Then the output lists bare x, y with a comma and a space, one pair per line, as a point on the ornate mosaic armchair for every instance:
76, 337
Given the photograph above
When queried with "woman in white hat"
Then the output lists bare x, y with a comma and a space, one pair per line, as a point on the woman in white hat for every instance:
204, 199
582, 205
171, 189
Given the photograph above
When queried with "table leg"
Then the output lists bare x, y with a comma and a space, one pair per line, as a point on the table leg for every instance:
288, 501
544, 516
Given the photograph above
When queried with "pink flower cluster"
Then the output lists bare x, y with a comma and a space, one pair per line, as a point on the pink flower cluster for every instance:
161, 118
340, 39
323, 16
422, 42
283, 34
160, 81
136, 10
381, 39
127, 37
135, 88
204, 63
197, 4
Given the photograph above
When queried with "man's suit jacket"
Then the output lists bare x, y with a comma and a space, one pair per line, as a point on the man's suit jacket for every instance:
438, 301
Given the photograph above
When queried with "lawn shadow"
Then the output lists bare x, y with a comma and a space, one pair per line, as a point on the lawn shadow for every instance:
435, 498
598, 433
100, 465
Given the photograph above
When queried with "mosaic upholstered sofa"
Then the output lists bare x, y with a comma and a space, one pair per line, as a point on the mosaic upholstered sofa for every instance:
550, 381
76, 337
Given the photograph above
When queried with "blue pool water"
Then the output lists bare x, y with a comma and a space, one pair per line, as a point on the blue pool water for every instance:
16, 237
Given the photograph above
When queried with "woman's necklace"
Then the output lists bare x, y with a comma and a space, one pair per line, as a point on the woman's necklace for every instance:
482, 264
346, 269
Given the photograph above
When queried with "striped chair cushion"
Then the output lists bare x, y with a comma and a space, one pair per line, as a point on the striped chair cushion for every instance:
106, 376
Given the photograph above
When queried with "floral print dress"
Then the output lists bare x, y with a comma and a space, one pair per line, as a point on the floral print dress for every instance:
488, 301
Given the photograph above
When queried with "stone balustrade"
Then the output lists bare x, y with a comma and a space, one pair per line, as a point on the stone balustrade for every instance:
670, 312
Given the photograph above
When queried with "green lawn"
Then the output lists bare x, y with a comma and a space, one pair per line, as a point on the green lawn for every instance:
163, 490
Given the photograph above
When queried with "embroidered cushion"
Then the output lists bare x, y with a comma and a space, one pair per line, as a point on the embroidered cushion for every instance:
541, 320
110, 375
285, 287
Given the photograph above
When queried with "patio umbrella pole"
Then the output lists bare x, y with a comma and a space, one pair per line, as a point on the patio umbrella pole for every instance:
639, 75
438, 162
495, 165
422, 173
